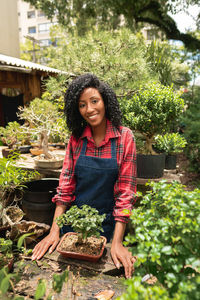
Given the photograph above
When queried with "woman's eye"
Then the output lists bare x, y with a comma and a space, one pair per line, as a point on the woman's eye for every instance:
81, 105
94, 101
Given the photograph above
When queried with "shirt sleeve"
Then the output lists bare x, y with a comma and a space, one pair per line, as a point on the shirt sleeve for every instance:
65, 191
125, 186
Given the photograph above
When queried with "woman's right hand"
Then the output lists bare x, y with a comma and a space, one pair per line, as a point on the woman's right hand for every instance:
49, 242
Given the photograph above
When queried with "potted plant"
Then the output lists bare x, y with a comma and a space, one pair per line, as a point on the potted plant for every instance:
12, 180
85, 242
14, 138
44, 122
152, 110
171, 144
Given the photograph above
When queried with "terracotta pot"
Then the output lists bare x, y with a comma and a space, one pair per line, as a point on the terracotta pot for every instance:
36, 151
88, 257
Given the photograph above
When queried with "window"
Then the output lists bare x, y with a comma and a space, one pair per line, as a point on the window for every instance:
45, 42
40, 14
32, 29
44, 27
31, 14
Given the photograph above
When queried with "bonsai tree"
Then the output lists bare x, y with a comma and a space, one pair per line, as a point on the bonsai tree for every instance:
12, 134
170, 143
85, 221
152, 110
44, 121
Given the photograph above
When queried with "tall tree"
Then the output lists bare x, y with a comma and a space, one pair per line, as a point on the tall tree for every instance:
110, 13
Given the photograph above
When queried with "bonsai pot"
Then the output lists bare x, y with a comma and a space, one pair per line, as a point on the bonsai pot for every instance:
55, 163
62, 249
25, 149
36, 151
36, 201
150, 166
6, 152
170, 162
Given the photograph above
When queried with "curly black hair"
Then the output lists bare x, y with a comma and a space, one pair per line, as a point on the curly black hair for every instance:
75, 121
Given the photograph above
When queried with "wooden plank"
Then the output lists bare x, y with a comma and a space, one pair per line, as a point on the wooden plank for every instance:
105, 264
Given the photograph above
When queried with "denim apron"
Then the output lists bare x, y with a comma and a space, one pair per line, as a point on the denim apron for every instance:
95, 179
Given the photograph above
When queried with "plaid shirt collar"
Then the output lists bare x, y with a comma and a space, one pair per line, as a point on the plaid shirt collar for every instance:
111, 132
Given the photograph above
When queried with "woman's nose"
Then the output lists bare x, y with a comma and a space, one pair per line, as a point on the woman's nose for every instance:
89, 108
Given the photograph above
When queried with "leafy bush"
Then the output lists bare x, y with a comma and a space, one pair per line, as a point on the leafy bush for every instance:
12, 178
152, 111
167, 227
191, 120
170, 143
143, 291
13, 134
86, 221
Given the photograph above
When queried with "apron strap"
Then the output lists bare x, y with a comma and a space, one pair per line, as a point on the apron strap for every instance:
113, 148
83, 150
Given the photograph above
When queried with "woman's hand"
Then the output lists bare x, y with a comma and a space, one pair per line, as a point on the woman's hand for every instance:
49, 242
121, 255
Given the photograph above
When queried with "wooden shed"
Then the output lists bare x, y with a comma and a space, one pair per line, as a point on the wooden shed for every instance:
20, 82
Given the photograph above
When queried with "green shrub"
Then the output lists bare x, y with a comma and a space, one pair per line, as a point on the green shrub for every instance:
152, 111
191, 120
12, 135
170, 143
167, 227
12, 178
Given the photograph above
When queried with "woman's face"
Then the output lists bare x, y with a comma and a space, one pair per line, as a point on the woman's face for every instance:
91, 107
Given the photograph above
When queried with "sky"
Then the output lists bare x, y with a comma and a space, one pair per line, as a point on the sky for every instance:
185, 21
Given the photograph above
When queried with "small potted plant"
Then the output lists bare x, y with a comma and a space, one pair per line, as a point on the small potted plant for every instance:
171, 144
44, 122
9, 138
85, 242
152, 110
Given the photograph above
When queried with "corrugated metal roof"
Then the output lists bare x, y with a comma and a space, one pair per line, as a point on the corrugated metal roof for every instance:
13, 61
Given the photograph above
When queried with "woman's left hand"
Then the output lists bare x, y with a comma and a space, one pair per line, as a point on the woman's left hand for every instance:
120, 254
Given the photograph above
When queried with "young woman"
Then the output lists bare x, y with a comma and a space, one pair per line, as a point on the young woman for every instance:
99, 167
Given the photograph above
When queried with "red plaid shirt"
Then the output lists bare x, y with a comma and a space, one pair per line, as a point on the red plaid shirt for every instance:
125, 186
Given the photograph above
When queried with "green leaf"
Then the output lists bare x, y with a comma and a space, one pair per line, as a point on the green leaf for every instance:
167, 250
5, 284
22, 238
41, 290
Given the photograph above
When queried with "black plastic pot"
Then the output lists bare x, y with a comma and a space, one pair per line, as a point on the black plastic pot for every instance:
37, 200
25, 149
170, 162
150, 166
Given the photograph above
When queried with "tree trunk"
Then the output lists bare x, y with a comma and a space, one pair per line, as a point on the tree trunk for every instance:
148, 145
45, 145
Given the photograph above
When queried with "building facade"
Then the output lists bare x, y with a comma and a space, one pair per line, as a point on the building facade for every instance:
33, 24
9, 37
